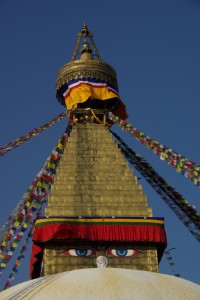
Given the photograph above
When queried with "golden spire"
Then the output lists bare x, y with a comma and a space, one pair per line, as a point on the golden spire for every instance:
88, 38
88, 65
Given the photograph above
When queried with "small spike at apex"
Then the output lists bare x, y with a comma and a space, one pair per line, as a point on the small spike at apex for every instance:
85, 30
88, 37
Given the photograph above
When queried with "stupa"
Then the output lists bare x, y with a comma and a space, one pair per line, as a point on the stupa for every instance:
96, 207
98, 238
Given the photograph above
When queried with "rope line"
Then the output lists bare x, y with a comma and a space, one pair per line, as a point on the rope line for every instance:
96, 118
22, 139
171, 262
34, 198
183, 165
19, 258
179, 205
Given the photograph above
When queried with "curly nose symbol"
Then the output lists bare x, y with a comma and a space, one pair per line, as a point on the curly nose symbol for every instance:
101, 262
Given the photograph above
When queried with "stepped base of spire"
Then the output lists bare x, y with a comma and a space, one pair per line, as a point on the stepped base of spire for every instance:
93, 191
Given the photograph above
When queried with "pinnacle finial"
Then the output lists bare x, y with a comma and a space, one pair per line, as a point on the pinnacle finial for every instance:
85, 30
87, 47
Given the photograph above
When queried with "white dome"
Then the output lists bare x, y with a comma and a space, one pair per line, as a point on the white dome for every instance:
107, 284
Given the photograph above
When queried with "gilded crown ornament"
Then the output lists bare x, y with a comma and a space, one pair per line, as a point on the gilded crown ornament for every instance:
87, 81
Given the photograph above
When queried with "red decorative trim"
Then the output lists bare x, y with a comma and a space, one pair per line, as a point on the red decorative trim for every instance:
120, 233
125, 231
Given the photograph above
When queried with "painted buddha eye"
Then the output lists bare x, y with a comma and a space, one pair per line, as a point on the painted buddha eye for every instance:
79, 252
123, 252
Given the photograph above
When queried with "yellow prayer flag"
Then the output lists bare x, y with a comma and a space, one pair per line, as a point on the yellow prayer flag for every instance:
3, 265
39, 184
18, 263
60, 146
16, 224
195, 181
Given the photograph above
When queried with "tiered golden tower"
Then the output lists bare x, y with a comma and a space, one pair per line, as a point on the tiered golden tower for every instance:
96, 207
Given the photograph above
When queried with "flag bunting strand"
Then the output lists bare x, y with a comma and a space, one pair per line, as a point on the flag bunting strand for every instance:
22, 139
171, 262
183, 165
33, 200
185, 212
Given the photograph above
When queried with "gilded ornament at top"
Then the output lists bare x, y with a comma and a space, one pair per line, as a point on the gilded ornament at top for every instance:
89, 65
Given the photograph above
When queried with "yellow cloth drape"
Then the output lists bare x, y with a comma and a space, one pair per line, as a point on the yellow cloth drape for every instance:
83, 92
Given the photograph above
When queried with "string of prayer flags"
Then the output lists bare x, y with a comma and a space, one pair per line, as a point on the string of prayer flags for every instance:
19, 257
182, 164
34, 199
22, 139
185, 212
171, 262
35, 192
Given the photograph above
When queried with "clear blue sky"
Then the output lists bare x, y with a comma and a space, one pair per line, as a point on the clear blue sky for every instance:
154, 47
